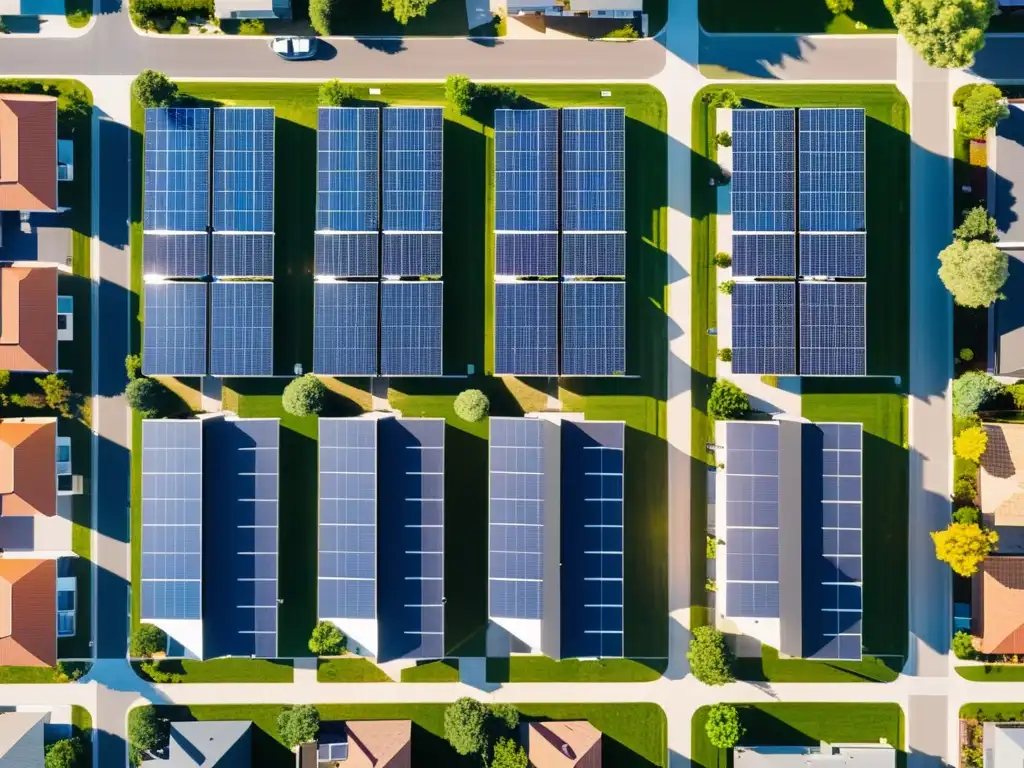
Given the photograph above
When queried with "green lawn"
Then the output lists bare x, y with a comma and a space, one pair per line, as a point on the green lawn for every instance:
221, 671
81, 725
992, 673
801, 725
769, 667
445, 671
541, 669
807, 16
1000, 713
33, 675
352, 670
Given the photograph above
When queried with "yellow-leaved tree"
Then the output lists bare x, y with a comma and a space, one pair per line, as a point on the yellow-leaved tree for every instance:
971, 444
964, 546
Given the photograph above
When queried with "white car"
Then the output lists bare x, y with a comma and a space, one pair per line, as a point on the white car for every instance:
294, 48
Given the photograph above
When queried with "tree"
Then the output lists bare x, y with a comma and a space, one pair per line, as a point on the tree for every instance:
304, 396
838, 7
727, 401
966, 354
472, 405
63, 754
508, 754
967, 516
723, 139
320, 16
971, 444
153, 89
1016, 391
326, 640
57, 393
964, 490
73, 107
5, 379
407, 9
983, 107
964, 546
725, 354
252, 27
147, 396
710, 659
507, 714
946, 33
973, 391
726, 287
723, 726
977, 225
298, 725
146, 641
335, 93
725, 98
145, 729
963, 646
722, 259
464, 726
133, 366
973, 271
458, 91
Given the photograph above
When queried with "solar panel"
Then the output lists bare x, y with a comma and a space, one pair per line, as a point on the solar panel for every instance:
526, 329
832, 329
347, 571
177, 192
411, 595
241, 609
832, 170
763, 325
594, 254
174, 333
592, 538
526, 254
243, 254
752, 519
594, 169
172, 518
516, 548
762, 184
348, 183
411, 255
242, 319
593, 329
345, 329
345, 254
833, 255
410, 328
769, 255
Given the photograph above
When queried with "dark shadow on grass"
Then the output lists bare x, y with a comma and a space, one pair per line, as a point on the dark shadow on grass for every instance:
297, 586
430, 749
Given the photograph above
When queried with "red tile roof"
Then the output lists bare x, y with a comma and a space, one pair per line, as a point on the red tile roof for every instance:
999, 605
28, 152
28, 319
28, 613
28, 468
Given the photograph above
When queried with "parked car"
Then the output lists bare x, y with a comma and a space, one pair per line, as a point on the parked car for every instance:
294, 48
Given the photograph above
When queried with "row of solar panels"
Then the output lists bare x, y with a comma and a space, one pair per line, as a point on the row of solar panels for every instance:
828, 189
832, 329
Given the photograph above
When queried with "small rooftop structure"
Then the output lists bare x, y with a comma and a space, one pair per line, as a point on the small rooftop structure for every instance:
831, 755
1004, 745
556, 744
28, 319
28, 152
210, 744
253, 9
28, 612
999, 604
360, 744
1002, 480
21, 739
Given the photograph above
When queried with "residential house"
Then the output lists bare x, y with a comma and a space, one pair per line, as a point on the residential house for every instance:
557, 744
22, 738
28, 152
1003, 745
28, 612
207, 744
360, 744
624, 9
28, 319
825, 755
998, 605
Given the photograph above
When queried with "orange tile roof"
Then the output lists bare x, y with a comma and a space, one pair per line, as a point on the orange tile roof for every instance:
28, 319
572, 744
999, 615
28, 468
379, 744
28, 613
28, 152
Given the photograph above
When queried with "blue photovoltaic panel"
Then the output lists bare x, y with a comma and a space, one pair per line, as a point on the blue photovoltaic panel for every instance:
412, 169
345, 323
763, 328
526, 329
516, 549
833, 558
762, 185
833, 255
347, 571
241, 340
172, 519
346, 254
176, 255
174, 332
592, 538
410, 328
831, 170
594, 169
526, 170
833, 329
243, 255
771, 255
411, 255
348, 181
752, 520
411, 594
593, 329
594, 254
241, 611
526, 254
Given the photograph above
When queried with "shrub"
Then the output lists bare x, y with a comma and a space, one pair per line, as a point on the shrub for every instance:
31, 400
963, 646
710, 659
723, 139
710, 585
1016, 391
148, 397
458, 91
711, 548
63, 754
837, 7
326, 640
73, 105
70, 672
973, 391
464, 726
472, 405
304, 396
725, 354
335, 93
964, 546
971, 444
179, 27
508, 754
723, 726
627, 32
973, 271
727, 401
967, 516
5, 379
981, 109
57, 393
404, 10
146, 641
133, 366
506, 714
726, 287
964, 489
960, 423
725, 98
297, 725
723, 259
153, 89
966, 354
977, 225
252, 27
321, 14
145, 729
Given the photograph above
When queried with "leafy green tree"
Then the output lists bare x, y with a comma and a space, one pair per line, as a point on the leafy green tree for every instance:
57, 393
967, 516
725, 98
1016, 391
298, 725
725, 354
146, 730
982, 108
723, 259
971, 444
963, 646
472, 405
723, 726
966, 354
506, 714
335, 93
252, 27
977, 225
973, 271
148, 397
726, 287
133, 366
458, 91
321, 13
709, 657
727, 401
153, 89
973, 391
946, 33
5, 379
964, 546
63, 754
465, 723
326, 640
146, 641
723, 139
964, 490
407, 9
508, 754
304, 396
837, 7
73, 107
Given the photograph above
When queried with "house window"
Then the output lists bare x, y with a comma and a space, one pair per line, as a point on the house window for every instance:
63, 455
65, 313
67, 598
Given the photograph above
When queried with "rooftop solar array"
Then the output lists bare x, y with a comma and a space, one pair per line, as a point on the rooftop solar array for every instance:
833, 329
592, 538
243, 456
752, 519
593, 328
410, 328
526, 328
345, 328
243, 192
172, 518
176, 211
841, 254
347, 571
526, 192
764, 255
174, 332
242, 318
763, 328
412, 191
411, 594
516, 571
593, 191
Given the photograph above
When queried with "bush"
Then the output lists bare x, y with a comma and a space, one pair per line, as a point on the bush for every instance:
963, 646
148, 397
404, 10
967, 516
145, 12
133, 366
335, 93
973, 271
971, 444
725, 354
964, 546
5, 379
964, 489
973, 391
711, 548
723, 139
1016, 391
63, 754
31, 400
725, 98
472, 405
153, 89
297, 725
326, 640
73, 106
304, 396
321, 14
508, 754
179, 27
507, 714
981, 109
977, 225
723, 726
723, 259
458, 91
145, 729
710, 659
146, 641
726, 287
837, 7
252, 27
464, 726
966, 354
627, 32
727, 401
57, 393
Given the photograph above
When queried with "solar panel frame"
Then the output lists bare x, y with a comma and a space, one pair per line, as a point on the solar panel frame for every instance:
763, 183
174, 333
833, 329
411, 328
832, 179
764, 254
526, 329
526, 254
176, 254
346, 254
346, 325
242, 328
348, 169
593, 169
593, 329
407, 254
833, 254
594, 254
763, 328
